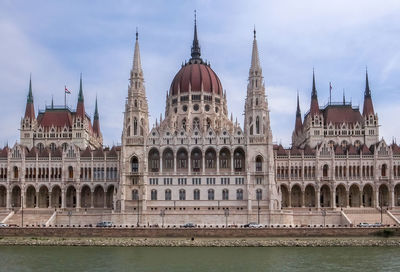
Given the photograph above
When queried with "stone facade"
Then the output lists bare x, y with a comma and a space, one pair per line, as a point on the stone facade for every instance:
198, 165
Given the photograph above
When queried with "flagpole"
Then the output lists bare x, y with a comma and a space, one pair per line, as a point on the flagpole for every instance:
65, 97
330, 93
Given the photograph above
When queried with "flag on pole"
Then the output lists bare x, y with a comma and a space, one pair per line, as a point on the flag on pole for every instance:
66, 90
330, 92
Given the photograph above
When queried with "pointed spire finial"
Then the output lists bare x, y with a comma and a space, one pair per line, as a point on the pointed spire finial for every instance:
96, 112
137, 34
80, 97
298, 112
52, 102
314, 89
367, 89
254, 31
30, 95
196, 46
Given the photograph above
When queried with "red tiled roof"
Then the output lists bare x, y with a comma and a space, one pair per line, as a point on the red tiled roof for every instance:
365, 150
196, 75
308, 150
98, 153
32, 153
87, 153
368, 106
339, 114
395, 149
281, 151
56, 118
30, 111
339, 150
4, 152
294, 151
56, 152
352, 150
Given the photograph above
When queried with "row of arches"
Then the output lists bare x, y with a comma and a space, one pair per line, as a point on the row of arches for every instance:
57, 198
343, 197
195, 161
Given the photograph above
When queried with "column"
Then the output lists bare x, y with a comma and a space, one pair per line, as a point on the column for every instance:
217, 163
203, 163
63, 196
9, 194
189, 164
175, 162
290, 199
161, 165
333, 198
37, 200
78, 199
318, 196
91, 199
376, 199
303, 199
347, 199
105, 199
49, 206
361, 198
391, 196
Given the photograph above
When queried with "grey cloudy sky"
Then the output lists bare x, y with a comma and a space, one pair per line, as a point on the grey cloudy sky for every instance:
57, 40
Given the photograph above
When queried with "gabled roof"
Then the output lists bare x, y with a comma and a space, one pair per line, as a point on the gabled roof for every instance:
57, 152
294, 151
365, 150
339, 114
98, 153
352, 150
281, 151
308, 150
339, 150
395, 149
58, 118
44, 153
32, 153
112, 152
4, 152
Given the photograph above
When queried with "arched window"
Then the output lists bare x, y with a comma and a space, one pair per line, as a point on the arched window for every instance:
224, 159
257, 125
225, 194
135, 194
238, 160
259, 194
168, 157
259, 162
40, 146
196, 160
135, 126
154, 160
384, 170
210, 158
53, 146
325, 171
196, 194
182, 159
70, 172
135, 103
128, 131
182, 194
64, 146
239, 194
135, 164
208, 123
168, 194
153, 194
210, 194
15, 172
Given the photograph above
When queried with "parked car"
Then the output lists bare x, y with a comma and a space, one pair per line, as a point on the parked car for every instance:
253, 225
3, 225
377, 225
189, 225
364, 225
104, 224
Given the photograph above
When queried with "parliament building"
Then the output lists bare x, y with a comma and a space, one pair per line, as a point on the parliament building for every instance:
196, 164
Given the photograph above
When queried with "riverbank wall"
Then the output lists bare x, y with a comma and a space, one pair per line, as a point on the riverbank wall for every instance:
197, 232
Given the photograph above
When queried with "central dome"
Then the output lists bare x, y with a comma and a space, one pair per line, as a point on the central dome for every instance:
196, 76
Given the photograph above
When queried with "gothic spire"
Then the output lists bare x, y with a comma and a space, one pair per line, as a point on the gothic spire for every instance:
30, 110
314, 108
255, 60
298, 112
368, 105
196, 46
137, 65
80, 96
298, 126
80, 108
367, 89
314, 89
96, 122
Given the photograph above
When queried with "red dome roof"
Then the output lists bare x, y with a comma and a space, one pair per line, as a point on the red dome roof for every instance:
196, 74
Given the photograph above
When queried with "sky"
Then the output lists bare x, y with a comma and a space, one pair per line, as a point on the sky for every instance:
55, 41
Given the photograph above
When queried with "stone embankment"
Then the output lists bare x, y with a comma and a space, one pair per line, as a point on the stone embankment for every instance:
202, 242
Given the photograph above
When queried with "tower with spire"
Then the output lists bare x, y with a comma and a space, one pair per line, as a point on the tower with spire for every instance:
28, 122
297, 135
259, 135
371, 124
135, 132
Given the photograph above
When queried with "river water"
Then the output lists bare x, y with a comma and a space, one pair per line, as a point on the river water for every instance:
24, 258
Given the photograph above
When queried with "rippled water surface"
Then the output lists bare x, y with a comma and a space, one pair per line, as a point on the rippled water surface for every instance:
21, 258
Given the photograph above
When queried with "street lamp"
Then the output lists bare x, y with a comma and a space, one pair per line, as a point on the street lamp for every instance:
258, 210
226, 213
162, 214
